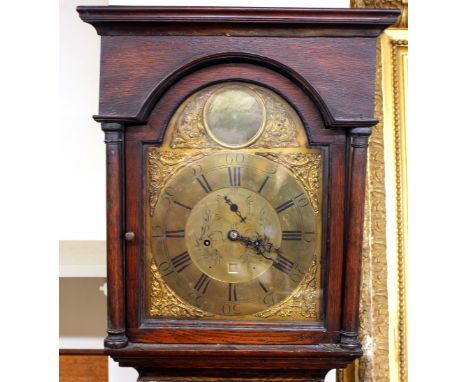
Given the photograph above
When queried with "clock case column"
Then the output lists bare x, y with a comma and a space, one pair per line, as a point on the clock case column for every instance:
357, 164
116, 337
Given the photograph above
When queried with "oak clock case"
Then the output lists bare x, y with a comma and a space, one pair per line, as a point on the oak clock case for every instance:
234, 229
236, 152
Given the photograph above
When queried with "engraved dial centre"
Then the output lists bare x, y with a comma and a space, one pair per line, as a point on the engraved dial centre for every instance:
231, 233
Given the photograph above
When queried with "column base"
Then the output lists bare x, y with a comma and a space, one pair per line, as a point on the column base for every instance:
349, 341
116, 339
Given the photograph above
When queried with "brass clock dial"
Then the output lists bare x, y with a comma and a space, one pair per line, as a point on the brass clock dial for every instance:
233, 233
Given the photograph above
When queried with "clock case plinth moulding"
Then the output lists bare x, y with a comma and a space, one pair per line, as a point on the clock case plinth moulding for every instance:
323, 62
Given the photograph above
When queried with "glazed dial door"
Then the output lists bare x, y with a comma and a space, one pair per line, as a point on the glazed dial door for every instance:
233, 234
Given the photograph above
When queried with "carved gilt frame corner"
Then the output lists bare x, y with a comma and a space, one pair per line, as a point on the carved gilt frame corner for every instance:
395, 77
383, 313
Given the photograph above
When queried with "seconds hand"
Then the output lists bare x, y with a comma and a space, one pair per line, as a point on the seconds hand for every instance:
234, 208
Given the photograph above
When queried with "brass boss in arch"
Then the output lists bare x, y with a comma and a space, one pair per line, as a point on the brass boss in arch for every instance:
234, 116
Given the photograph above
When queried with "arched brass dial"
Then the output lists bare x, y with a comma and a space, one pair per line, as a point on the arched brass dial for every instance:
233, 233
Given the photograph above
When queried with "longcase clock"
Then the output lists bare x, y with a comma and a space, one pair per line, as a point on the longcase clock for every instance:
236, 156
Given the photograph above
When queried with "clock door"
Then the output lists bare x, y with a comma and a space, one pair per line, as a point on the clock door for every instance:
227, 190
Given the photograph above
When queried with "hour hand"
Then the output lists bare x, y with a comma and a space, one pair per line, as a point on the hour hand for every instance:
266, 247
234, 208
256, 244
233, 235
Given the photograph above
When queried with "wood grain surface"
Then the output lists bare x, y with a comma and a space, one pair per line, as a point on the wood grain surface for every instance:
83, 366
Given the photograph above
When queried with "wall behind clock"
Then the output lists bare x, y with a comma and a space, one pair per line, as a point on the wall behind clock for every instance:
82, 159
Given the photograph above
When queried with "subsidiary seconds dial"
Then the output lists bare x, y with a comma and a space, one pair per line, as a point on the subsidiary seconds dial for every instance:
233, 234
